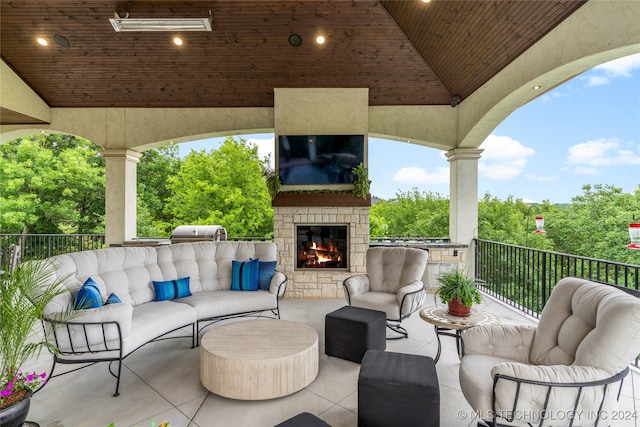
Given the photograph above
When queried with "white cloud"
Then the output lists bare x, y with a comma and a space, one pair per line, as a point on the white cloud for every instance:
503, 157
415, 175
621, 67
589, 158
598, 81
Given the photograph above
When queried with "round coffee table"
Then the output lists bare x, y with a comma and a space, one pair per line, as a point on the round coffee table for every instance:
258, 359
443, 322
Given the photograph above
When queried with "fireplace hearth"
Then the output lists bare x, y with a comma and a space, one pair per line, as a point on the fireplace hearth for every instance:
321, 246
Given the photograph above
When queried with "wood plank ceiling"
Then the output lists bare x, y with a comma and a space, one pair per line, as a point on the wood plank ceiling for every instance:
406, 52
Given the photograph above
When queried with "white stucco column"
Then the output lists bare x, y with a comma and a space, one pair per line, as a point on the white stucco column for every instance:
120, 195
463, 199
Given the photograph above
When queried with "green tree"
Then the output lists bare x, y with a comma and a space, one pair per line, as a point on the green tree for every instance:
154, 169
595, 224
51, 184
501, 221
225, 187
414, 212
512, 221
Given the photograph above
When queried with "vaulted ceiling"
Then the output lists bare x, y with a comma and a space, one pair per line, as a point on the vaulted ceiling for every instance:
406, 52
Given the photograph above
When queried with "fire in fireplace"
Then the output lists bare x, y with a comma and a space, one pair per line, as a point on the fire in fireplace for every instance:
322, 246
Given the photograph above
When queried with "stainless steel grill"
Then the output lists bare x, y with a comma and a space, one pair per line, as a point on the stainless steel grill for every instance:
195, 233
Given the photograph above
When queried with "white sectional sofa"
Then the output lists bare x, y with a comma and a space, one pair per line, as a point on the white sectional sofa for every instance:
113, 331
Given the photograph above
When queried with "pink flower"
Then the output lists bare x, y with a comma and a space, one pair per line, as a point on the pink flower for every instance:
21, 381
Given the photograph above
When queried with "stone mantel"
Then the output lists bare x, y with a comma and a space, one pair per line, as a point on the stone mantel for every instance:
319, 199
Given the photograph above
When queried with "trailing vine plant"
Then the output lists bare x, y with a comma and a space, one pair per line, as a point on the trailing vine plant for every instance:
361, 182
272, 179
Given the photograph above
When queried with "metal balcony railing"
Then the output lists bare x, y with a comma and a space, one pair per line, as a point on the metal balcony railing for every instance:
523, 277
38, 246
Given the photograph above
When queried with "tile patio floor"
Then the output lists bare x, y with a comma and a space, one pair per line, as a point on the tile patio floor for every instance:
161, 382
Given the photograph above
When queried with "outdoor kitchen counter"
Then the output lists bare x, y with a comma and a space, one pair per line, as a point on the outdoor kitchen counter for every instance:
421, 244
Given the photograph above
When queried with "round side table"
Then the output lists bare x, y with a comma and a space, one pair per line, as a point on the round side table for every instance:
444, 323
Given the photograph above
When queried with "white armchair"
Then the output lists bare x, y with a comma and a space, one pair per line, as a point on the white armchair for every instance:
393, 284
566, 371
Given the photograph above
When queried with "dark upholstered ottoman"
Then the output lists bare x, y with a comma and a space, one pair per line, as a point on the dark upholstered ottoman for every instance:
397, 389
304, 419
350, 331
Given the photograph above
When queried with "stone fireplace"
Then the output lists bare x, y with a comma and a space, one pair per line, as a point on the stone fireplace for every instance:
344, 231
322, 246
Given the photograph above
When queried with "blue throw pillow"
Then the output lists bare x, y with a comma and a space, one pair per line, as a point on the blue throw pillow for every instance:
88, 296
112, 299
267, 269
172, 289
245, 275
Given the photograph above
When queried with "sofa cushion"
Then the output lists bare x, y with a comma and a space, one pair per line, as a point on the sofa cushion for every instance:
245, 275
191, 259
88, 296
224, 303
172, 289
267, 270
154, 319
127, 272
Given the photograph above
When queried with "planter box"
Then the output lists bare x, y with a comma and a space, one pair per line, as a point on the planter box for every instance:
319, 199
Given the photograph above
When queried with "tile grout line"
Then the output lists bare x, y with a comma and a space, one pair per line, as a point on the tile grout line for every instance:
191, 422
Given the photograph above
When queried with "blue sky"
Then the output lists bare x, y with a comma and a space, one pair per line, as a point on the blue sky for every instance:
585, 131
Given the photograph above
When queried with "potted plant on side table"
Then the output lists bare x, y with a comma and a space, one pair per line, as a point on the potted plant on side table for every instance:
458, 291
23, 297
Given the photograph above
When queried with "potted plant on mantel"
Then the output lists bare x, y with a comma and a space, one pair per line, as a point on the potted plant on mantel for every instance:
273, 182
359, 195
458, 291
23, 297
361, 182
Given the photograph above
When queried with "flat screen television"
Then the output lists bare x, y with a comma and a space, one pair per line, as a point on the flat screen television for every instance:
321, 161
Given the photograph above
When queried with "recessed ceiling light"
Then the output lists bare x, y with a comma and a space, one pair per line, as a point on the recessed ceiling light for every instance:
177, 41
295, 40
42, 42
61, 41
537, 87
426, 1
320, 39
